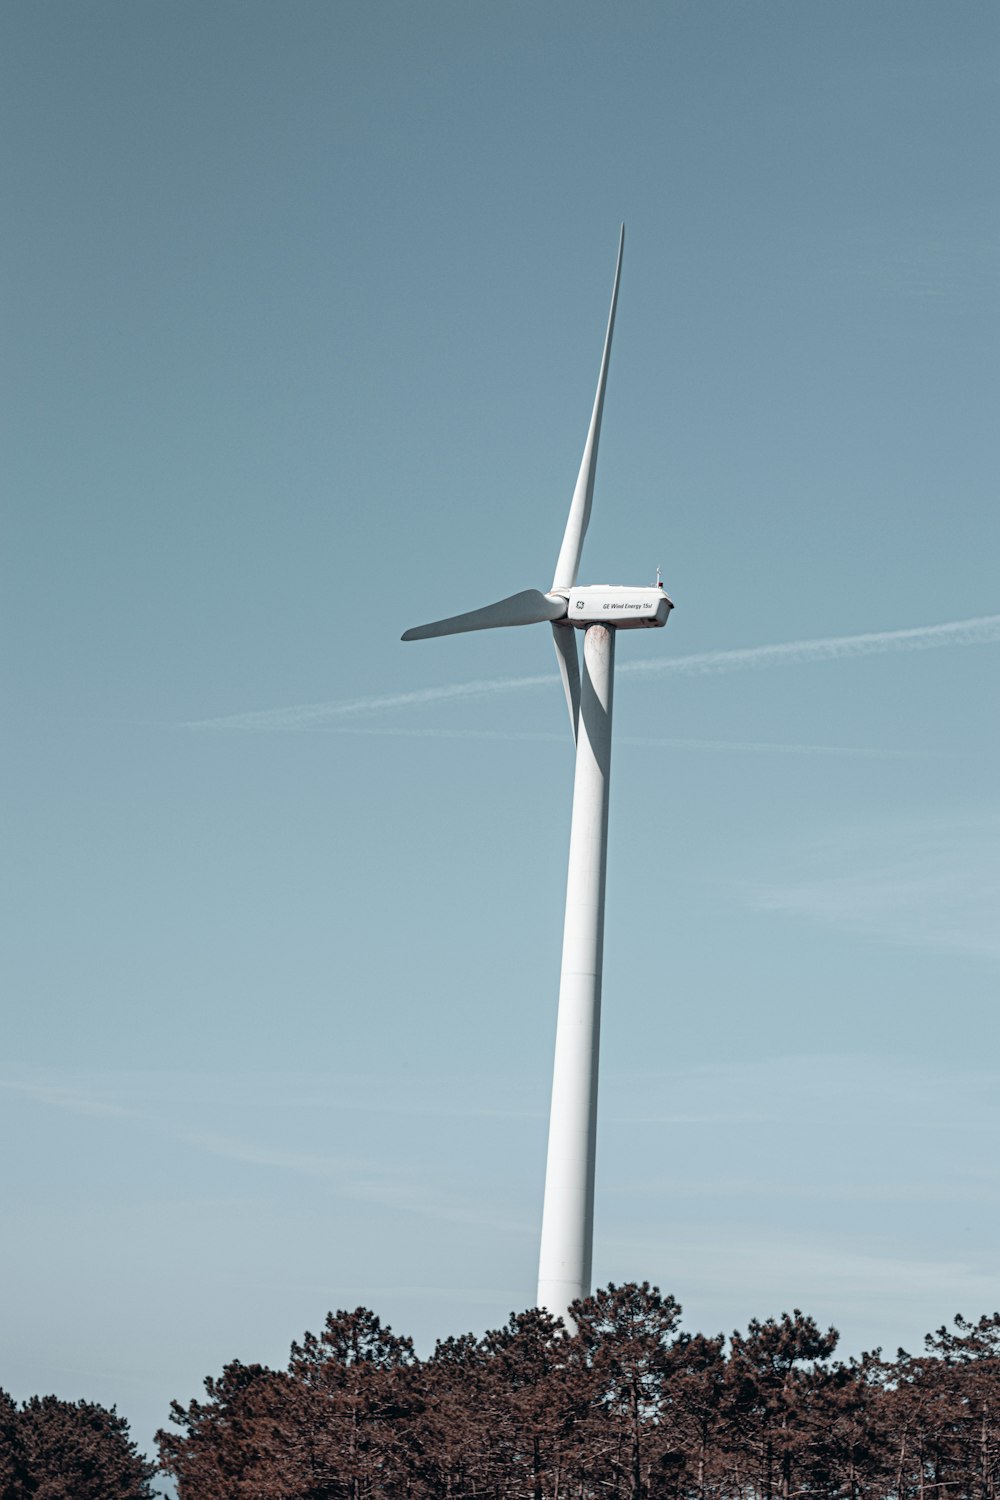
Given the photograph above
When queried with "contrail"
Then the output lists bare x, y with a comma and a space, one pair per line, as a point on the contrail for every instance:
983, 630
311, 715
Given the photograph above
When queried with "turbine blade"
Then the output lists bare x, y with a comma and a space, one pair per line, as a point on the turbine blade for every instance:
569, 670
527, 608
568, 564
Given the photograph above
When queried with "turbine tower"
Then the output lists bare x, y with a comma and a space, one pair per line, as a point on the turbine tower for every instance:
600, 611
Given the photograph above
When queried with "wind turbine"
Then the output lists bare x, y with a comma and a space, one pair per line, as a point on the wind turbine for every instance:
600, 611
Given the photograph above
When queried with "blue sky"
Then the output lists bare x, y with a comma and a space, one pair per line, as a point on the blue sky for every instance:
303, 316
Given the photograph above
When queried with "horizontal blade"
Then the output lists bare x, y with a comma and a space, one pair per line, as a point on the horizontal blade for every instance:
569, 670
527, 608
568, 564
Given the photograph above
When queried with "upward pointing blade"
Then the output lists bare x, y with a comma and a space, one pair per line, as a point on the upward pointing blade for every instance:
530, 607
568, 564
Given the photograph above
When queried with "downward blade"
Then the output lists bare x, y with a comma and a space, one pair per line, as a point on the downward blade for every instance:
568, 564
569, 670
530, 607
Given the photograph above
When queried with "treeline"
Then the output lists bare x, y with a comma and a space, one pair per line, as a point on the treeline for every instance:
628, 1408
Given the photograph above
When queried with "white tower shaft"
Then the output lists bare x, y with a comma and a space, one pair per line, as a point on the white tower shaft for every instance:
568, 1212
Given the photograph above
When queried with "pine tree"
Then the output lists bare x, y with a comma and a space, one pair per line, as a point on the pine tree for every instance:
77, 1450
624, 1342
774, 1373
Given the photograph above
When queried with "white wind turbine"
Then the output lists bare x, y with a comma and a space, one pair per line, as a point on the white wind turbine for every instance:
599, 610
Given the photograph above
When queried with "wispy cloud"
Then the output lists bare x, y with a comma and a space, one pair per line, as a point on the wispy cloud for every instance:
826, 1089
929, 885
770, 747
829, 1273
922, 264
821, 1189
231, 1148
388, 1183
982, 630
64, 1098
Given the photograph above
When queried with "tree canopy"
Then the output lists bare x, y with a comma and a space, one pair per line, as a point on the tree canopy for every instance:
68, 1450
628, 1406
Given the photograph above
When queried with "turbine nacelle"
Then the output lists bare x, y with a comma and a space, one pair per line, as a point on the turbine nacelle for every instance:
624, 607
